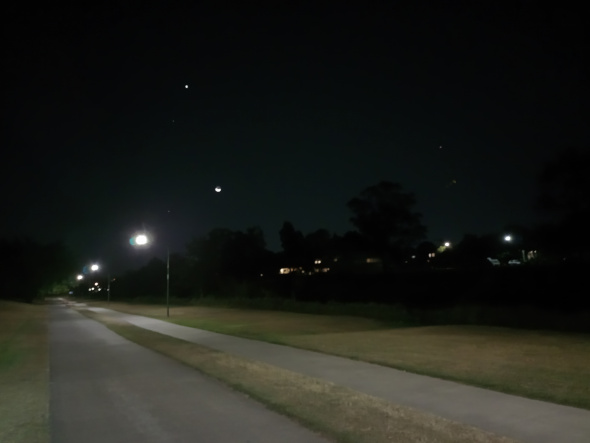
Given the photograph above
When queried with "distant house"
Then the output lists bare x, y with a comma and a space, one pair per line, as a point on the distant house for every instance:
493, 261
356, 263
288, 270
350, 263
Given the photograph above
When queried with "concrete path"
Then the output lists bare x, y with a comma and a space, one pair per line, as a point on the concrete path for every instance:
105, 388
508, 415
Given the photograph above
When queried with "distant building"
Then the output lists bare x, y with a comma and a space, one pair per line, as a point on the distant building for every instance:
351, 263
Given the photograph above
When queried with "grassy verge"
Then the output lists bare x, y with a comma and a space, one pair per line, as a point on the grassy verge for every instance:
24, 373
339, 413
545, 365
396, 315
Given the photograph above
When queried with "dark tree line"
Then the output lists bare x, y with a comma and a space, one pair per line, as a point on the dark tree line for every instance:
389, 233
388, 236
383, 214
224, 258
29, 269
564, 193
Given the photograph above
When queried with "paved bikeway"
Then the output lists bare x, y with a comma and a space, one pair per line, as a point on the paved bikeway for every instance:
508, 415
104, 388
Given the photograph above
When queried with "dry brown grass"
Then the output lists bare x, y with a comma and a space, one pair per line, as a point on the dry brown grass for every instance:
24, 373
339, 413
539, 364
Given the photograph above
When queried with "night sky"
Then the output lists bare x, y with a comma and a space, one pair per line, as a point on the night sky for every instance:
292, 110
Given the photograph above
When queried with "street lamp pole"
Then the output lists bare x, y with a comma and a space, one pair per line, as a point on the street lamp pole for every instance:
168, 281
95, 268
142, 239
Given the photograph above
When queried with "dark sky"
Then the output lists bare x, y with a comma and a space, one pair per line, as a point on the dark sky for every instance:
292, 110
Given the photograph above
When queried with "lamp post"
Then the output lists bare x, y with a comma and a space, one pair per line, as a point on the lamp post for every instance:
108, 287
95, 268
86, 269
168, 281
141, 240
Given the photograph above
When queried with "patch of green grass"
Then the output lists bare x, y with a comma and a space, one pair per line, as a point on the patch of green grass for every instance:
10, 355
339, 413
24, 373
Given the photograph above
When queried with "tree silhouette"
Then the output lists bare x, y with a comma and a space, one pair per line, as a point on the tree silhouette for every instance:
564, 184
209, 250
384, 215
246, 255
28, 268
473, 250
318, 244
564, 191
291, 240
225, 253
293, 244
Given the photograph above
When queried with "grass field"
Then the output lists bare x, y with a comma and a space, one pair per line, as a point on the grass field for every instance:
544, 365
24, 373
341, 414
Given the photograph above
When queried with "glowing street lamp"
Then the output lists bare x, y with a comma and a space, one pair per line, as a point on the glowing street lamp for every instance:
79, 277
95, 267
508, 238
443, 247
141, 240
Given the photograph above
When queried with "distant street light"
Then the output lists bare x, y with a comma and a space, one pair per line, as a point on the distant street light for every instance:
79, 277
443, 247
142, 239
508, 239
95, 268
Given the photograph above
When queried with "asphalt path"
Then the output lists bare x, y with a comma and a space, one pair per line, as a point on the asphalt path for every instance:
104, 388
520, 418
